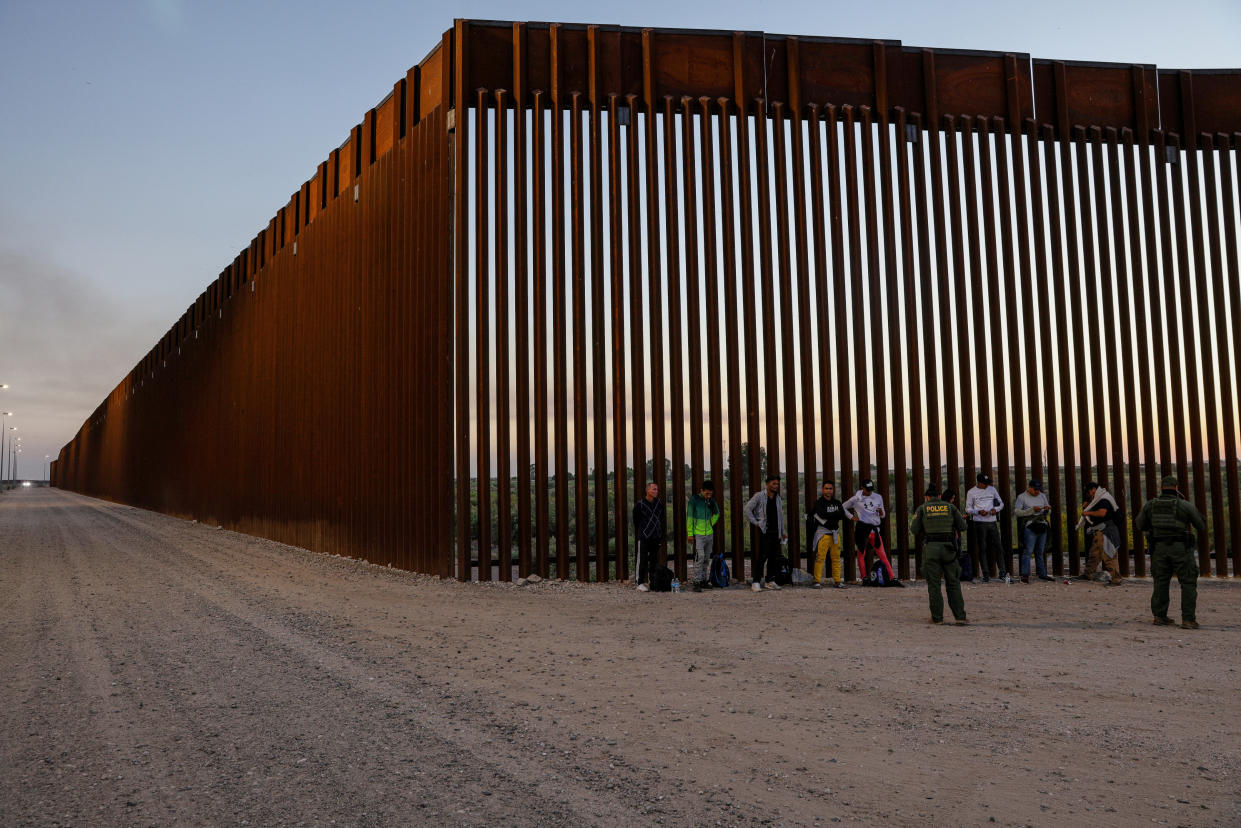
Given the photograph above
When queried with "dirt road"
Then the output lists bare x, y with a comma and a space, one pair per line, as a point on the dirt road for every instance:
157, 671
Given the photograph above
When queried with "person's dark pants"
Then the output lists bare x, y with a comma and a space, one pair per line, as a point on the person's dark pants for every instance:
648, 554
765, 557
990, 548
939, 563
1180, 559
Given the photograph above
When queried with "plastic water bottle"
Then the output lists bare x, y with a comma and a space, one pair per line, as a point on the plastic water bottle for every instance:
676, 584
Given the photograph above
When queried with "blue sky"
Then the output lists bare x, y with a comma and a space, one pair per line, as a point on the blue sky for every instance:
146, 142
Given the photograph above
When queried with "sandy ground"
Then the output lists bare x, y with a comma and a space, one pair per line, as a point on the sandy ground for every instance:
157, 671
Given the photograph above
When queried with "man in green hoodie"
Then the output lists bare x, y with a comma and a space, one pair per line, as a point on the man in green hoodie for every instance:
700, 519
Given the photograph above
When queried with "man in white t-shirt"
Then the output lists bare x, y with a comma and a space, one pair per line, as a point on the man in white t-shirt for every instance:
982, 507
866, 511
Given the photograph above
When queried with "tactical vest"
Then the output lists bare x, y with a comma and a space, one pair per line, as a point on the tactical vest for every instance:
937, 518
1167, 520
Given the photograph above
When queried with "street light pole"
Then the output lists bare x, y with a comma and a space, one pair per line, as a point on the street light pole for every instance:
3, 456
3, 386
12, 440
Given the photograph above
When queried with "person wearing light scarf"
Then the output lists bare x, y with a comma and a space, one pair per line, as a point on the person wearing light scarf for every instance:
1099, 520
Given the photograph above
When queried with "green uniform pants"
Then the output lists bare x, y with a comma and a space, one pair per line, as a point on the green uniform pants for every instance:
940, 562
1167, 559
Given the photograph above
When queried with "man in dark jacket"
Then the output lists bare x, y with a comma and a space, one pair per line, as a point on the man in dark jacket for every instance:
648, 531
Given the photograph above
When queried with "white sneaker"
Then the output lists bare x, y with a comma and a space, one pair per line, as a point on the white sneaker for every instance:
772, 585
756, 587
643, 588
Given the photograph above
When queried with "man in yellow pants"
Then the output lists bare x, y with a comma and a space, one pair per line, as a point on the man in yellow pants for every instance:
824, 535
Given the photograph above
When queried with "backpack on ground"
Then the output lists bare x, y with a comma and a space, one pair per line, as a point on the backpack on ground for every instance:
879, 577
661, 579
967, 566
718, 576
784, 575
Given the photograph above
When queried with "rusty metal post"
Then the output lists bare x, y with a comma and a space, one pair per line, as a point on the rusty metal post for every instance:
538, 209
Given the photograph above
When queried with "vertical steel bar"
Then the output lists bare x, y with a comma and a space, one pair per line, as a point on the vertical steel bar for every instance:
1055, 184
997, 277
1137, 274
1210, 238
616, 220
638, 375
967, 267
822, 286
654, 273
1155, 198
522, 289
805, 307
965, 416
859, 313
767, 276
915, 370
460, 300
581, 456
598, 283
931, 328
693, 282
894, 265
1227, 161
840, 281
504, 477
1015, 294
1130, 326
676, 495
482, 326
1183, 275
560, 383
1203, 398
788, 357
1097, 267
732, 332
877, 378
1169, 196
751, 323
1076, 200
712, 295
542, 481
939, 133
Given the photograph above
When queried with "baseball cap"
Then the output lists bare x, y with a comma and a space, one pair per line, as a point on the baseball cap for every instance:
868, 485
1169, 482
1036, 484
932, 491
983, 477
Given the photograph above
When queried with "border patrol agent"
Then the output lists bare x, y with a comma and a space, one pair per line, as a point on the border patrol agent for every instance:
936, 520
1166, 521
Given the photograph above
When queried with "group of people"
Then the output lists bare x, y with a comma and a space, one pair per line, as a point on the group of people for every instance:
1168, 521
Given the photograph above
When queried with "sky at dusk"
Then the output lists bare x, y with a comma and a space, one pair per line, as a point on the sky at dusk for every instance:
145, 143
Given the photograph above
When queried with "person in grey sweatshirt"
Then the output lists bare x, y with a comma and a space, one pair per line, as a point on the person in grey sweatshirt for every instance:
766, 512
1032, 511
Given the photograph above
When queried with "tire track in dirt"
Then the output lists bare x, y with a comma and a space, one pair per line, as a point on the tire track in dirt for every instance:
455, 735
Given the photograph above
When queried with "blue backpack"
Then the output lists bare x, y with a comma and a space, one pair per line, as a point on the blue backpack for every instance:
719, 572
